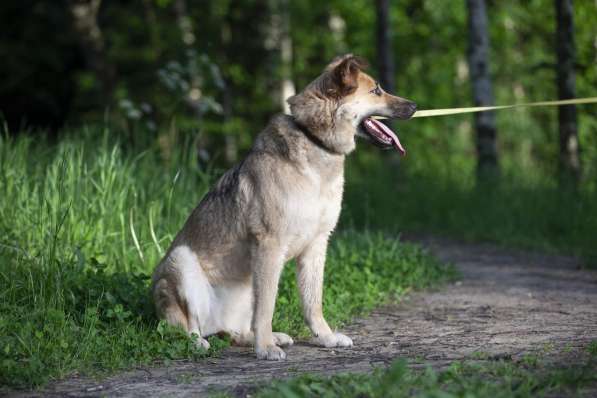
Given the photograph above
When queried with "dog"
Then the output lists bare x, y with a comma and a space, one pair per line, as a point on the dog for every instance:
282, 202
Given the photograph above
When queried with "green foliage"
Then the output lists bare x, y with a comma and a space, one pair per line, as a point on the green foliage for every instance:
75, 291
460, 379
83, 223
522, 209
238, 70
362, 270
592, 348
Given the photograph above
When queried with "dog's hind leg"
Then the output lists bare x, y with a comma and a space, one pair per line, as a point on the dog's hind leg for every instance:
167, 305
188, 304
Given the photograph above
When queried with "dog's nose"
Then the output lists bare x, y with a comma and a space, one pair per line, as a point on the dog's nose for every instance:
411, 108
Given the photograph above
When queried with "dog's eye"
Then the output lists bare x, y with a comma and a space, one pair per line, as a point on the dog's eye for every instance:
377, 90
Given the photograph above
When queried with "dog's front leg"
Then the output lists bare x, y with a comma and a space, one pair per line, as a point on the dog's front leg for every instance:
267, 260
311, 265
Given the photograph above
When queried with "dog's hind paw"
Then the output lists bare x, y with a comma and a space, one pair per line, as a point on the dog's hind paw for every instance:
270, 353
200, 342
282, 339
333, 340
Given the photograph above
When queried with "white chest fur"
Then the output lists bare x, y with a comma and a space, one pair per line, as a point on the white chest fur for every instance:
314, 208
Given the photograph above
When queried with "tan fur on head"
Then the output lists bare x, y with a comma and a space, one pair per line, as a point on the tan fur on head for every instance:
315, 107
342, 79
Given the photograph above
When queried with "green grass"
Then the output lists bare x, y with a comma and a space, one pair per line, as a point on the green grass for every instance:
362, 271
83, 223
521, 209
460, 379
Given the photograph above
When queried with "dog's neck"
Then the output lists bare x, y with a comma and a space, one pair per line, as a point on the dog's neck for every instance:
286, 138
326, 141
326, 146
325, 157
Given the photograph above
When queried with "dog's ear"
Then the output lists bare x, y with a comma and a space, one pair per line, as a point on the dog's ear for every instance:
346, 74
342, 76
315, 105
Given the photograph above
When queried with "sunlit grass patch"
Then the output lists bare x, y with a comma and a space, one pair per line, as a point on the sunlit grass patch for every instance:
83, 223
520, 209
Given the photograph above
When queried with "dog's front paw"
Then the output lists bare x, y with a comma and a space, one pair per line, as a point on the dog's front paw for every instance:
270, 353
282, 339
333, 340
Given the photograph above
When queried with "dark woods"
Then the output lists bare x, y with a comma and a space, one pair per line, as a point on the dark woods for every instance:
216, 71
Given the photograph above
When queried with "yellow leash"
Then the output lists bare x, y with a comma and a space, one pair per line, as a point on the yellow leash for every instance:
454, 111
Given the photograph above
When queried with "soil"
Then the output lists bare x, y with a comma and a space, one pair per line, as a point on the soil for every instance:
505, 304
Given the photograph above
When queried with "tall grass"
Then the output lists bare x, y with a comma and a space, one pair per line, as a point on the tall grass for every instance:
82, 224
84, 221
520, 209
77, 243
93, 197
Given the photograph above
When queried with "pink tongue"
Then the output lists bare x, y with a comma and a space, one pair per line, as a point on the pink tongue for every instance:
386, 130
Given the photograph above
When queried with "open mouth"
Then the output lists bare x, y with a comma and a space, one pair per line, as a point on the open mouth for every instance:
382, 134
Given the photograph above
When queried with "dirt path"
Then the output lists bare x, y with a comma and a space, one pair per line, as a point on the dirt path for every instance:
507, 303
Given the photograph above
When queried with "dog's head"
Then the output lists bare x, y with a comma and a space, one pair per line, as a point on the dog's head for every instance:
340, 103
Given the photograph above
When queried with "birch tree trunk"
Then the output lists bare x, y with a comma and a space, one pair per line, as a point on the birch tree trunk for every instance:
280, 41
569, 162
288, 88
478, 60
230, 140
91, 42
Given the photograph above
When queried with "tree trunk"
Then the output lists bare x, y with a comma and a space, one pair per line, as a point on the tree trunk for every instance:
280, 42
287, 89
385, 55
230, 139
569, 164
91, 41
153, 27
193, 97
478, 60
